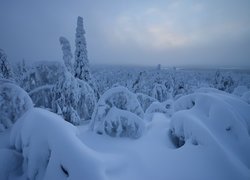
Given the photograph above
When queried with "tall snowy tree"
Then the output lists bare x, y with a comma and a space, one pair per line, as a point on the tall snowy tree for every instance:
67, 55
20, 70
81, 66
5, 68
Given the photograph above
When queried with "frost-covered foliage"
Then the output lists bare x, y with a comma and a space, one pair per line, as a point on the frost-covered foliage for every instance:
213, 119
73, 98
81, 65
123, 100
224, 82
159, 92
20, 70
67, 54
5, 68
145, 100
121, 123
158, 107
39, 80
50, 149
41, 74
14, 102
42, 96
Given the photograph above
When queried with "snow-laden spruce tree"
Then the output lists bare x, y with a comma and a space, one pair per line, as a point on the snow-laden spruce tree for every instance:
81, 66
73, 98
67, 55
5, 68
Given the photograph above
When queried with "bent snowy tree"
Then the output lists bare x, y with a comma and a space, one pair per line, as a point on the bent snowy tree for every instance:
118, 113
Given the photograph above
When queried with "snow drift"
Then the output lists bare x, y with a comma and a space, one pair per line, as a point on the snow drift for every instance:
51, 149
213, 119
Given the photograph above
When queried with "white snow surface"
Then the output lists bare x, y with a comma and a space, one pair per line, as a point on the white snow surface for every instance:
49, 144
214, 127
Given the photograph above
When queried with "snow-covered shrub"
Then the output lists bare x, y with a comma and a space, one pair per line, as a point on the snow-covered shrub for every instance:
158, 107
213, 119
145, 100
42, 74
121, 123
42, 96
14, 102
224, 82
51, 149
73, 98
159, 92
122, 99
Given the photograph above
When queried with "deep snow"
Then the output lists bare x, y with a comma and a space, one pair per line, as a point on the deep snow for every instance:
204, 135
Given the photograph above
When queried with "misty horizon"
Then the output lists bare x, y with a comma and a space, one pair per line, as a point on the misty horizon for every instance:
170, 33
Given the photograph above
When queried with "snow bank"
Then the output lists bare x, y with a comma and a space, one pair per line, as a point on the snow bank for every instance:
51, 149
213, 118
246, 97
14, 102
240, 90
126, 104
10, 162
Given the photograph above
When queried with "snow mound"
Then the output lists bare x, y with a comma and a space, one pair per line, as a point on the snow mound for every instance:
125, 103
14, 102
246, 97
213, 119
240, 90
10, 161
51, 149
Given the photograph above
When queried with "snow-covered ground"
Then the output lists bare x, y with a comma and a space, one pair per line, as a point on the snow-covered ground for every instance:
207, 136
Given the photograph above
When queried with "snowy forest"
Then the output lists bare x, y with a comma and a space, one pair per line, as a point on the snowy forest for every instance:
73, 120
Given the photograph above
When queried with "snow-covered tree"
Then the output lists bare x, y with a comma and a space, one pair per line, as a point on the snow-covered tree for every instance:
5, 68
158, 67
145, 100
117, 113
67, 55
81, 66
20, 70
159, 92
224, 82
73, 98
14, 102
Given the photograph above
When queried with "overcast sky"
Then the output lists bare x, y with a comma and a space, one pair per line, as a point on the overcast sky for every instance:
140, 32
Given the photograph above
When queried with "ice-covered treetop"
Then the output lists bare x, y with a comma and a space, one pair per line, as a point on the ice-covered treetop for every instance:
79, 27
